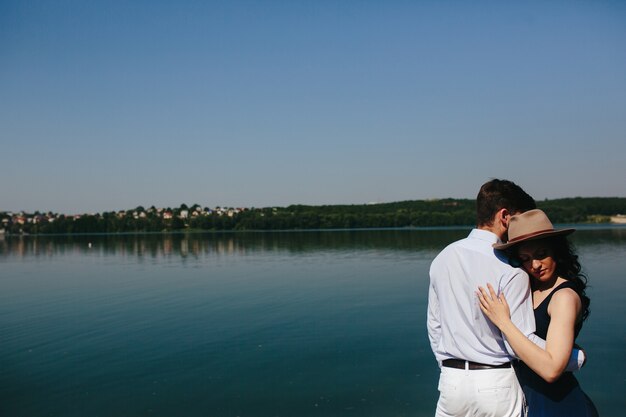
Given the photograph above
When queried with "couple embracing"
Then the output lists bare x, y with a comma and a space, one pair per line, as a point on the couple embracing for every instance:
484, 313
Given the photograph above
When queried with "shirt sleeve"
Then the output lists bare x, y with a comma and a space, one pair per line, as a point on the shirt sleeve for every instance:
518, 296
433, 322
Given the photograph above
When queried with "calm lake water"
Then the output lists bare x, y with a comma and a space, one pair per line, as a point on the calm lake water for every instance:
328, 323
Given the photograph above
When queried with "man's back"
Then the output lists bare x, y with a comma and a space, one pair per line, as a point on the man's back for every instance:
456, 326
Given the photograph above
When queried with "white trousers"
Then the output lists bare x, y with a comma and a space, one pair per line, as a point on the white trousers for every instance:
481, 392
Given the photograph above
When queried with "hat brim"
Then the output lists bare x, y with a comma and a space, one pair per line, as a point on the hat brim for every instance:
542, 235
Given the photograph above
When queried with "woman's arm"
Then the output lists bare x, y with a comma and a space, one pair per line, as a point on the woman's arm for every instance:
563, 310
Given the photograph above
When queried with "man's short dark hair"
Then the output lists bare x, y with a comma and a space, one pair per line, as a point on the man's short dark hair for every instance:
498, 194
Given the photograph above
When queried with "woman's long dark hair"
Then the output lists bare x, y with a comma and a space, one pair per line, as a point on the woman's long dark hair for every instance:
568, 267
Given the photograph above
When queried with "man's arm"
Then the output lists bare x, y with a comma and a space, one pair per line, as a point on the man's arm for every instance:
523, 316
519, 297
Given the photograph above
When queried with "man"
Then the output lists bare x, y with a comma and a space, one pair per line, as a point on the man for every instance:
477, 378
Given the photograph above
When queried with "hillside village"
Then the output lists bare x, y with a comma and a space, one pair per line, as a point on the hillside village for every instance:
21, 221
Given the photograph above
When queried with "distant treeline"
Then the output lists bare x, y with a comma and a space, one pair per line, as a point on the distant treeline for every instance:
417, 213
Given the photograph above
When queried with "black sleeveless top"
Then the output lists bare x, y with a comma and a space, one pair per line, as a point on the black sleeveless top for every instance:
542, 319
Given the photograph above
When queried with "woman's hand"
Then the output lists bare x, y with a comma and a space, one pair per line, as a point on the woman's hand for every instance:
495, 308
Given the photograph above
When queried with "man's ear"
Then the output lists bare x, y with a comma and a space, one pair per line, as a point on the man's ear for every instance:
503, 217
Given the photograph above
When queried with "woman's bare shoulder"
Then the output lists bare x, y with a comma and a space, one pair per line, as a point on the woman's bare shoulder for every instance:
565, 298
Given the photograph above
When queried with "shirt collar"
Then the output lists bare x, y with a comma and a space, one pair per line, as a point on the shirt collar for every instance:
485, 235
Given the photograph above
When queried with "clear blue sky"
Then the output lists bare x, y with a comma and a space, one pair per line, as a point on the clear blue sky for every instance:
109, 105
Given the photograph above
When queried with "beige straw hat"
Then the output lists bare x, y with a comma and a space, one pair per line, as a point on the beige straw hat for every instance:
533, 224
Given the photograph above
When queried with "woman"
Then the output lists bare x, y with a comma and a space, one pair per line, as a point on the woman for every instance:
560, 306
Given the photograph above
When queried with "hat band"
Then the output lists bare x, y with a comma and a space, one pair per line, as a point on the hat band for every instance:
516, 238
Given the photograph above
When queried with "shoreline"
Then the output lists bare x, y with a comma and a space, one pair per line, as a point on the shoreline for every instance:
580, 226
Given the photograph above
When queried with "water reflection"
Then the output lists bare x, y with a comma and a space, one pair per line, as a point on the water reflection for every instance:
241, 243
185, 245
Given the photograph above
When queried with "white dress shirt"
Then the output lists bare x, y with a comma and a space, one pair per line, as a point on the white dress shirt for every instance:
457, 327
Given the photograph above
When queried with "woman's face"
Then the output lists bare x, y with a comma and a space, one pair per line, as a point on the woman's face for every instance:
537, 260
